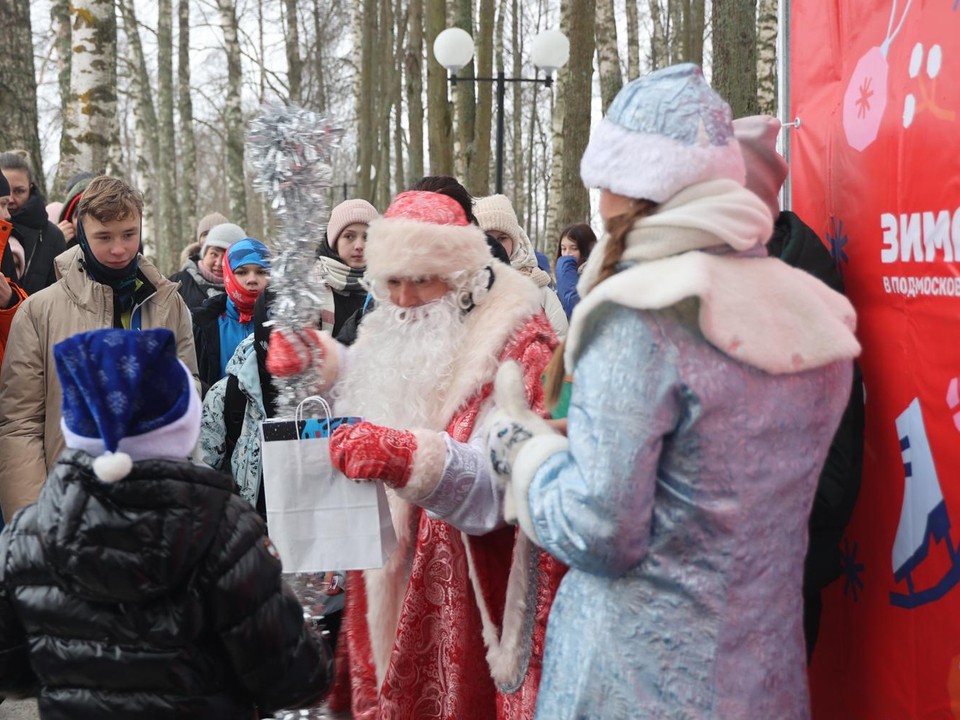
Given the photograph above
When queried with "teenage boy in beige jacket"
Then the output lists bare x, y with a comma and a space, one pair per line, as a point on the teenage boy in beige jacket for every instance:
103, 282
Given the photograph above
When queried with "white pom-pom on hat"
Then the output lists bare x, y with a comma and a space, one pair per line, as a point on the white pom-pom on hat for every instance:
111, 467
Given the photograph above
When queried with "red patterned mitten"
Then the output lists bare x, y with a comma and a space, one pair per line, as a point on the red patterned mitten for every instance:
373, 452
292, 353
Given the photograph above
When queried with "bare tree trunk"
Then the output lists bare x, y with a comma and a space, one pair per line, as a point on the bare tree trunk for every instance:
478, 177
318, 62
188, 139
465, 99
294, 61
168, 231
367, 100
385, 68
90, 125
60, 19
659, 56
18, 84
697, 27
146, 139
574, 201
438, 106
414, 87
233, 114
396, 91
633, 41
608, 56
767, 57
517, 187
735, 54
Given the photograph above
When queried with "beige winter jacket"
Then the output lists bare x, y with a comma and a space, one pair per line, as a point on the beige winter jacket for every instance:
30, 436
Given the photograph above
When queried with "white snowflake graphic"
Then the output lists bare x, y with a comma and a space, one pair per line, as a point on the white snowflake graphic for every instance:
117, 402
129, 366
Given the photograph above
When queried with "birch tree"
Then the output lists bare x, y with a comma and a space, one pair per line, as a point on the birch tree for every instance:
188, 141
19, 129
608, 56
60, 21
439, 123
767, 57
735, 54
233, 114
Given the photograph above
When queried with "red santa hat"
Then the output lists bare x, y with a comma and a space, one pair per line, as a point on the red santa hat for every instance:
424, 234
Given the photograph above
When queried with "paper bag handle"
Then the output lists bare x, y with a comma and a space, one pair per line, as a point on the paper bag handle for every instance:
298, 417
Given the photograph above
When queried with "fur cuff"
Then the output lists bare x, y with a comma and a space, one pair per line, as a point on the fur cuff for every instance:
399, 247
531, 456
429, 460
332, 360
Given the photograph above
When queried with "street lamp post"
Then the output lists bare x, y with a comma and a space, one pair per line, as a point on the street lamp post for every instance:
453, 48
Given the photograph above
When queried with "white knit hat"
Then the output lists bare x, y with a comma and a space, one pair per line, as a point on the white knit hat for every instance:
424, 234
222, 236
766, 168
663, 132
495, 213
347, 213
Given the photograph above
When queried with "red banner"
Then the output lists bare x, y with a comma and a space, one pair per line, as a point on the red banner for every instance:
876, 169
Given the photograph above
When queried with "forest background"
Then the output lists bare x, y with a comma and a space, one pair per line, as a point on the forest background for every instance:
160, 92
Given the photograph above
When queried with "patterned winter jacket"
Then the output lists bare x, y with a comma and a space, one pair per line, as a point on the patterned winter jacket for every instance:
157, 596
245, 461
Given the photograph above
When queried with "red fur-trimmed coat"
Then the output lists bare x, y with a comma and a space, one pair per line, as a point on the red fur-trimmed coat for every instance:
472, 610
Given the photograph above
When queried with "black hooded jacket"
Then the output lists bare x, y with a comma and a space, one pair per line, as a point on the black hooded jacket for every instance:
795, 243
42, 241
158, 596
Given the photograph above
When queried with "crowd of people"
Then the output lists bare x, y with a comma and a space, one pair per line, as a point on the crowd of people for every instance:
600, 473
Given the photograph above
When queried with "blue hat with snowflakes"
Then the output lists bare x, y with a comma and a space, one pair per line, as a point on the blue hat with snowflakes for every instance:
663, 132
126, 396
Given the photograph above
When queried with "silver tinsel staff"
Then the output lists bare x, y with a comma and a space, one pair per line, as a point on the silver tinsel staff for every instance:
290, 149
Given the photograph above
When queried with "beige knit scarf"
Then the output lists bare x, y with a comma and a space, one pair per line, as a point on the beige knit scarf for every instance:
758, 310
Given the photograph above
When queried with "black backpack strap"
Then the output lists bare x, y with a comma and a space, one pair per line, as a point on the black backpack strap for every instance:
234, 409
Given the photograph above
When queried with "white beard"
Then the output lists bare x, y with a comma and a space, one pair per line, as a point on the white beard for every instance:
401, 366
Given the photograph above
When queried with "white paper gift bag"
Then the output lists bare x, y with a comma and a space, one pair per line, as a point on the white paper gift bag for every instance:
317, 518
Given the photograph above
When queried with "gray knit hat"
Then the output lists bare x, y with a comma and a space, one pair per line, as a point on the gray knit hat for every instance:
222, 236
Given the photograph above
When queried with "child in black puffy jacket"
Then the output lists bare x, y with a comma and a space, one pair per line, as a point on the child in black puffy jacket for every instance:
140, 585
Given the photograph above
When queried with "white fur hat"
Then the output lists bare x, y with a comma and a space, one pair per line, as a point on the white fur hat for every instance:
424, 234
663, 132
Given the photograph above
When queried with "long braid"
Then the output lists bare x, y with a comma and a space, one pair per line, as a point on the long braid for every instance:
618, 227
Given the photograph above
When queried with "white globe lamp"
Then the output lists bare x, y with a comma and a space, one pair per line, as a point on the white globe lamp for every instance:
453, 49
550, 51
